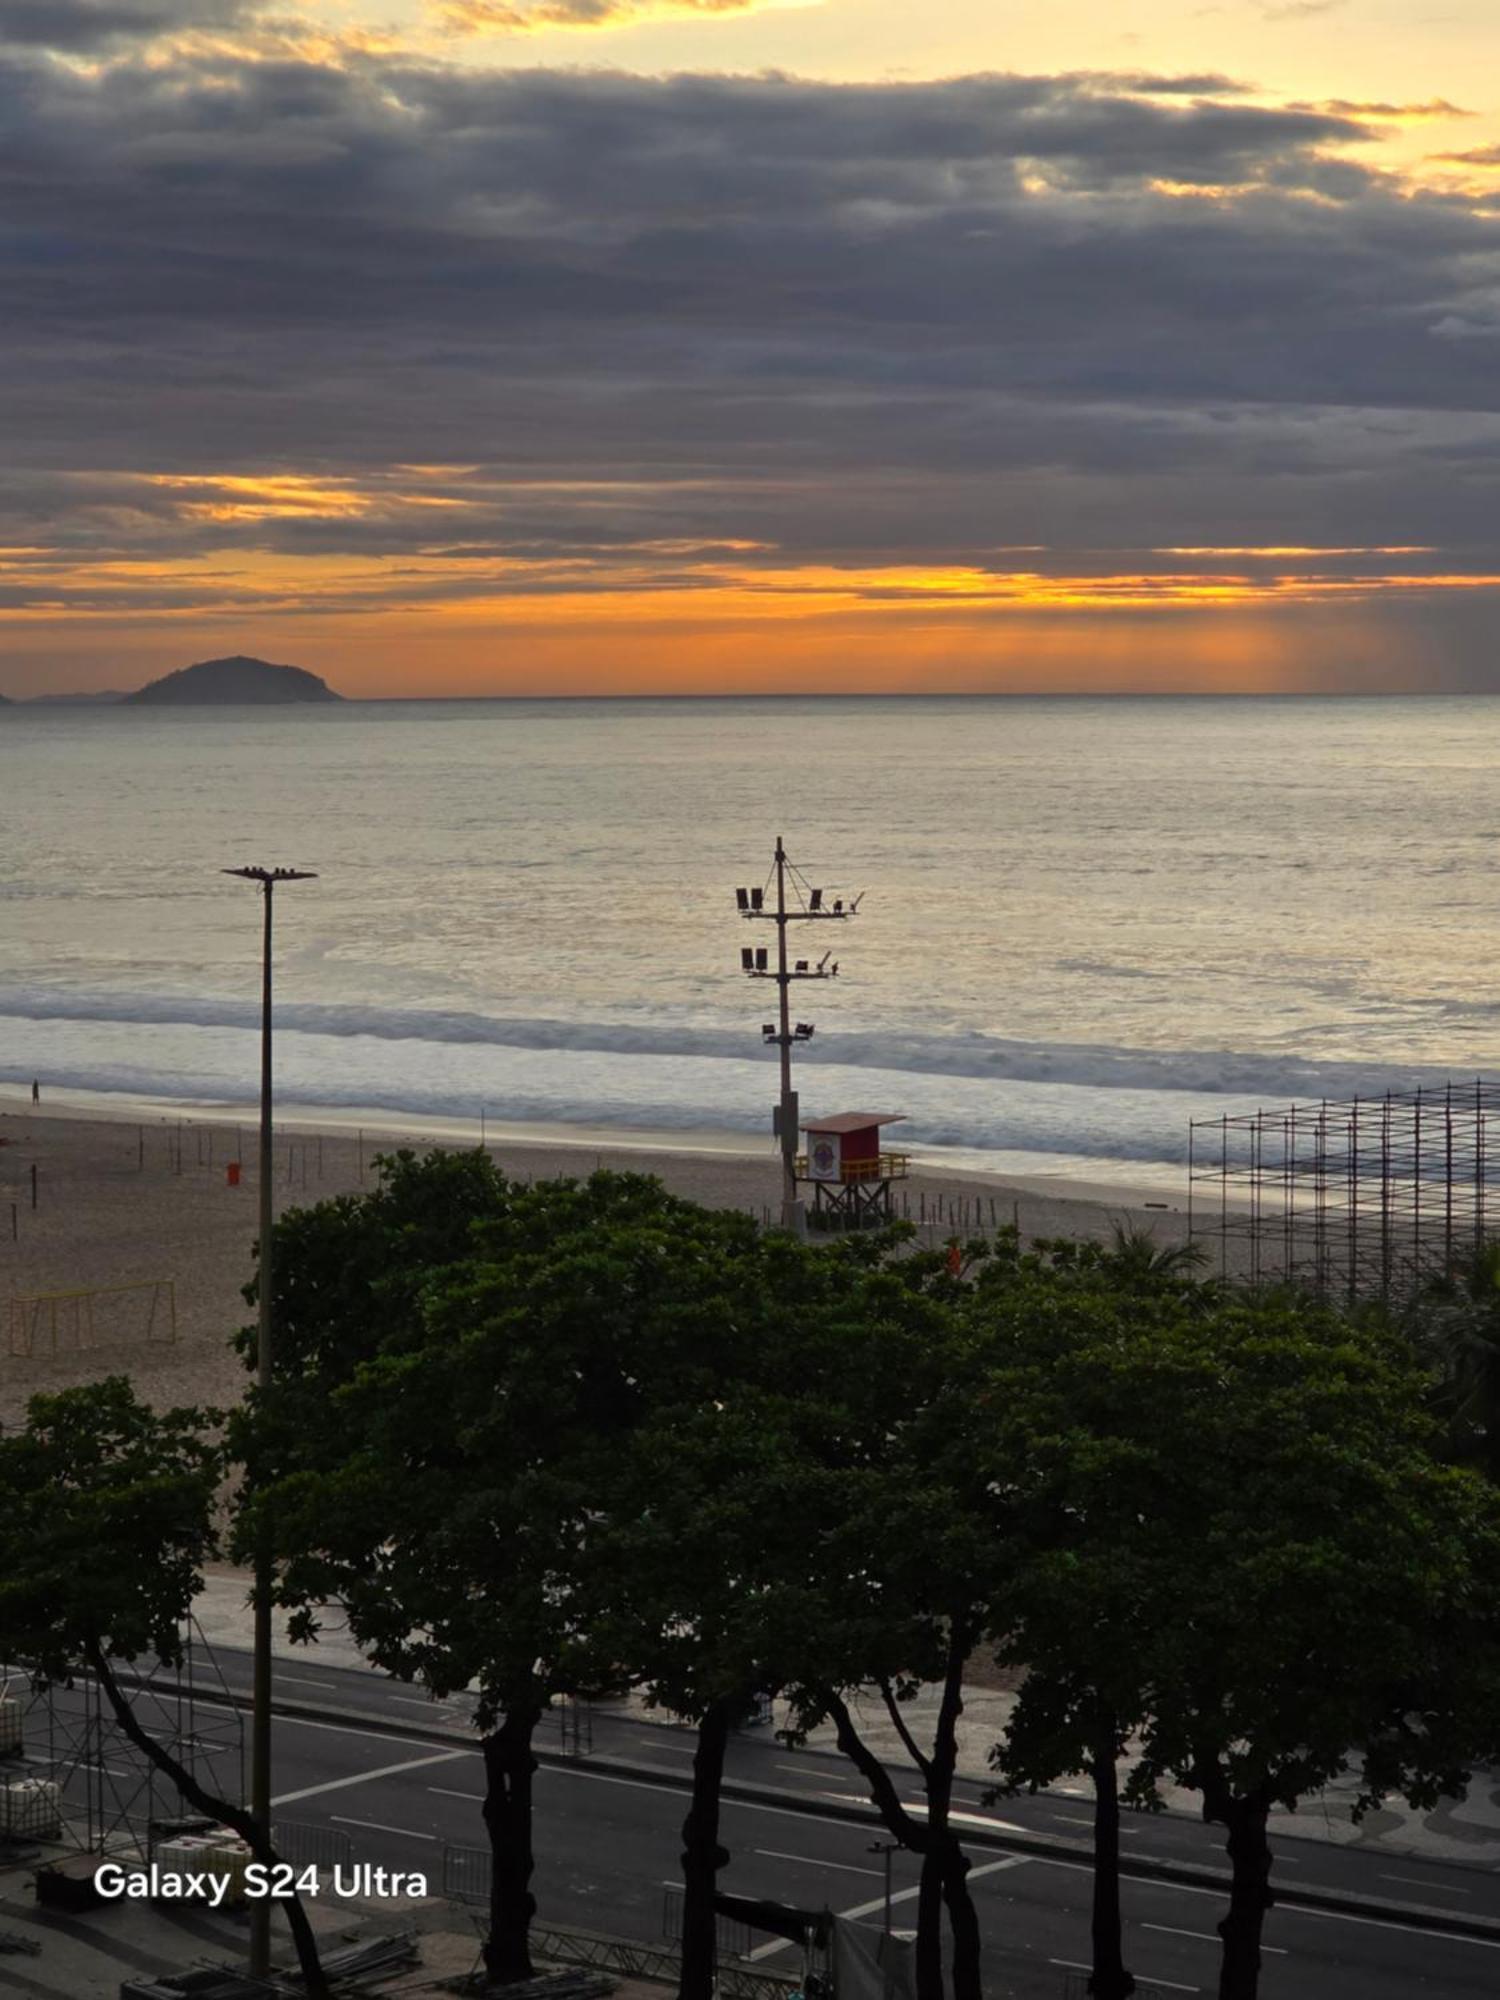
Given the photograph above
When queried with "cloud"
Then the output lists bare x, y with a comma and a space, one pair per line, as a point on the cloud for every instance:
1348, 107
519, 17
78, 26
281, 336
1477, 156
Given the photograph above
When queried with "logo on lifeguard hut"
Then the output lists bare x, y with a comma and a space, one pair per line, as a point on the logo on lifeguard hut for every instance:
824, 1158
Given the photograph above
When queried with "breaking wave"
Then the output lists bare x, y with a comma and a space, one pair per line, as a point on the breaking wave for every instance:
1273, 1077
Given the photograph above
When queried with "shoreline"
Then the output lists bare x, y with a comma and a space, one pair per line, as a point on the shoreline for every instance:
133, 1258
1165, 1191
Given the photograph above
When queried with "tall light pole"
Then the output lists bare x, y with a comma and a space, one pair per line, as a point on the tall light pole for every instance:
260, 1699
797, 902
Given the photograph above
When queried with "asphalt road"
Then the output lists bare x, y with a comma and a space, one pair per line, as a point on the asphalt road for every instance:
608, 1844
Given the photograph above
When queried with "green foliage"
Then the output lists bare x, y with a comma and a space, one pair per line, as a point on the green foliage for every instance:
567, 1437
106, 1511
1235, 1536
1455, 1322
1233, 1524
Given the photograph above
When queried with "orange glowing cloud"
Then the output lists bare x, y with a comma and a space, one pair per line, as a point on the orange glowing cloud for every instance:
523, 17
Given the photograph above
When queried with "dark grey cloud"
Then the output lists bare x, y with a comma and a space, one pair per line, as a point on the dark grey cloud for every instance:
77, 26
865, 323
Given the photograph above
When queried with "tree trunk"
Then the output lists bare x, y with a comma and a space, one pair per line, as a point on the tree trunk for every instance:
963, 1922
952, 1861
928, 1961
256, 1837
1109, 1979
914, 1834
509, 1765
702, 1858
1249, 1897
1250, 1880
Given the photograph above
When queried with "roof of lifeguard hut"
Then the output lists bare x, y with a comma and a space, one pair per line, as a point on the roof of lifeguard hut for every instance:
853, 1121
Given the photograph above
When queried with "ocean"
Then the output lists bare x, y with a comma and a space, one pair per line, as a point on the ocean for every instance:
1085, 922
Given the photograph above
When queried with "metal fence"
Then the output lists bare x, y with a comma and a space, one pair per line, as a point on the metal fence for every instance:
733, 1938
466, 1875
1076, 1987
647, 1961
1368, 1197
306, 1846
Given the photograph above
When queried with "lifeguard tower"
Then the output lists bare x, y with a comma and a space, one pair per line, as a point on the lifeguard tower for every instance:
851, 1178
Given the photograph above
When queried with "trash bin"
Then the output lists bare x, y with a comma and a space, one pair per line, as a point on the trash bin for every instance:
232, 1173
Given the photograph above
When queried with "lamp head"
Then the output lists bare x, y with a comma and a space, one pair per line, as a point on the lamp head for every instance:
269, 875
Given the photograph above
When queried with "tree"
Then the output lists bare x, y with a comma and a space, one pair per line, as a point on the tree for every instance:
912, 1558
1455, 1319
1241, 1495
106, 1520
1079, 1615
698, 1585
448, 1479
719, 1576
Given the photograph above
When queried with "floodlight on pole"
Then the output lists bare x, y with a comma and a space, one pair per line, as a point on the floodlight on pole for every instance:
260, 1698
796, 901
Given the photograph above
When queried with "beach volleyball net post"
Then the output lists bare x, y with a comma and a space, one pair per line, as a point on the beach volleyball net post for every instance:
141, 1314
1363, 1197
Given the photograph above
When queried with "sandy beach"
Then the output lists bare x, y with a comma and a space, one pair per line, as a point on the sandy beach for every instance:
133, 1256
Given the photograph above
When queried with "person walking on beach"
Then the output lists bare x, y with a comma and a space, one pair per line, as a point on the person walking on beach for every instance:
36, 1091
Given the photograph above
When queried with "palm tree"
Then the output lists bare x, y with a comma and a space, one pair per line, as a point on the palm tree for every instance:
1137, 1257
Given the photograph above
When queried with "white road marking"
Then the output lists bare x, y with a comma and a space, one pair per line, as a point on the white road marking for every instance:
900, 1896
303, 1680
379, 1826
1388, 1924
1439, 1888
961, 1818
419, 1701
1206, 1937
349, 1729
682, 1749
811, 1861
1077, 1965
477, 1797
365, 1777
790, 1812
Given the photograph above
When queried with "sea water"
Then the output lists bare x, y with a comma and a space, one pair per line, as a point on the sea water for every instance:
1084, 922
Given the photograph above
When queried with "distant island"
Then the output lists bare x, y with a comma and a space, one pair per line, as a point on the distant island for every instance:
235, 680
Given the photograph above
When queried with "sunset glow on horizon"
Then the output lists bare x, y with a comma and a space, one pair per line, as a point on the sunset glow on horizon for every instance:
393, 342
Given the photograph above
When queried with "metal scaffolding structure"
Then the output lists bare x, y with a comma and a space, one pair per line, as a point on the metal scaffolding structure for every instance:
111, 1799
1360, 1198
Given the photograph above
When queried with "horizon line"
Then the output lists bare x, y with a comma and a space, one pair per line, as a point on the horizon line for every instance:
75, 699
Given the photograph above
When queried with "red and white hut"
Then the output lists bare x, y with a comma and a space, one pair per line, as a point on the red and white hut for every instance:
850, 1175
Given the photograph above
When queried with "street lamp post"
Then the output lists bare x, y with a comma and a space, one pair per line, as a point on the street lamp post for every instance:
260, 1700
886, 1848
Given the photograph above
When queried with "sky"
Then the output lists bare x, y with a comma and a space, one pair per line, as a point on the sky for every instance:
457, 347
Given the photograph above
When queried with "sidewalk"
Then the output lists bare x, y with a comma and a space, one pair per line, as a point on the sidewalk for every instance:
1460, 1830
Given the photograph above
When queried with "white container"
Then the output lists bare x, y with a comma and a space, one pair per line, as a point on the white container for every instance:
31, 1809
